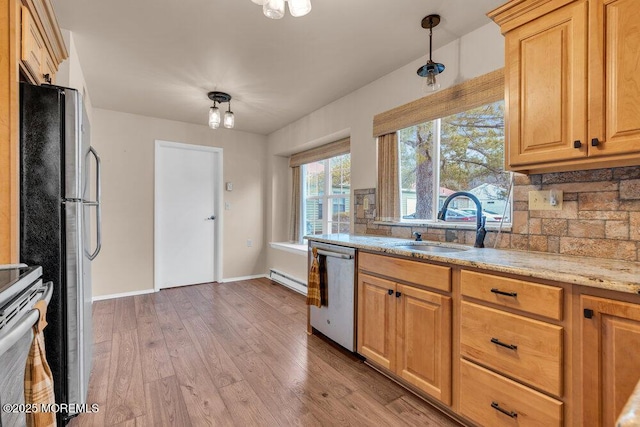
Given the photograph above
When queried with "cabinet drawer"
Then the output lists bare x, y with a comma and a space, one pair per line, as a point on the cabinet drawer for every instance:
525, 349
432, 276
530, 297
483, 394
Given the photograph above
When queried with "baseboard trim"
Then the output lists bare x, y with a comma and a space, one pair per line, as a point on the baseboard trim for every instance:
288, 281
236, 279
122, 295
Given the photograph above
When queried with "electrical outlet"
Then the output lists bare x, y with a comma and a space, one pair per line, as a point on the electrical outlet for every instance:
366, 204
249, 243
227, 206
545, 200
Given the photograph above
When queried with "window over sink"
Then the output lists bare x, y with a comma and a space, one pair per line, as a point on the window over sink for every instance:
459, 152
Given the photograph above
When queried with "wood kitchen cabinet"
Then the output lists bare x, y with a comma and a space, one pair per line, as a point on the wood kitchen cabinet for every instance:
31, 46
406, 329
512, 350
610, 357
572, 83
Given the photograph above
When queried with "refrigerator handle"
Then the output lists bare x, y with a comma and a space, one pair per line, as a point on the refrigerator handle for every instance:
97, 205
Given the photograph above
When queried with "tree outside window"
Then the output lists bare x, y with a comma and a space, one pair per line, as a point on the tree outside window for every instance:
461, 152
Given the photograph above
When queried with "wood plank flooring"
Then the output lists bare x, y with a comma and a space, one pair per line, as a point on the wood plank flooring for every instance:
233, 354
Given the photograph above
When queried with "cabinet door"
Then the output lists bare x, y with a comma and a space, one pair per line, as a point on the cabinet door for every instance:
32, 45
610, 363
424, 341
376, 320
614, 75
546, 87
48, 71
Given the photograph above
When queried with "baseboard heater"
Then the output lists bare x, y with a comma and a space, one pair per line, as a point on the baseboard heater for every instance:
288, 281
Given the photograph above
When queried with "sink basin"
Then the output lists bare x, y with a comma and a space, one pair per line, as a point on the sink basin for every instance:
425, 247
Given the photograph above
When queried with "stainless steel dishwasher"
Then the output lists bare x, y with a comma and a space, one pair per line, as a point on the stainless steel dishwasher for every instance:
336, 320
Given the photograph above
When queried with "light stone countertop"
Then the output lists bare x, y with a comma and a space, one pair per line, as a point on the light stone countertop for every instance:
630, 415
621, 276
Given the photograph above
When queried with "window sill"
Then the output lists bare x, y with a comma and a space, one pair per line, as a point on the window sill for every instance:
296, 248
506, 227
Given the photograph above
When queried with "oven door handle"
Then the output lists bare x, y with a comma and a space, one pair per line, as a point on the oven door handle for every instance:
28, 321
334, 254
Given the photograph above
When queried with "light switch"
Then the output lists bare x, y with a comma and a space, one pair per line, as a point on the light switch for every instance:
229, 186
227, 206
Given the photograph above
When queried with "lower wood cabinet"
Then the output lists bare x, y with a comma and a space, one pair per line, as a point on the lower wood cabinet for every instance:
493, 400
610, 357
522, 348
525, 353
406, 330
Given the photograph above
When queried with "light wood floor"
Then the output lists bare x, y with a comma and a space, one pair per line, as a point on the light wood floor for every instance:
232, 354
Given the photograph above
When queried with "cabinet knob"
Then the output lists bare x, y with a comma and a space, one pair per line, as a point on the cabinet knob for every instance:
577, 144
398, 294
595, 142
390, 291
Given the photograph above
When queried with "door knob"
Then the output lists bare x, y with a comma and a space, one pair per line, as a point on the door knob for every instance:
211, 218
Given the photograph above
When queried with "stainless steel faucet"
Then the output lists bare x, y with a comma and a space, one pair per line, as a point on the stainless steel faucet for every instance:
480, 219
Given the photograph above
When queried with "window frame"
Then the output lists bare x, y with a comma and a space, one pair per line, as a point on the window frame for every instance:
437, 126
326, 198
475, 92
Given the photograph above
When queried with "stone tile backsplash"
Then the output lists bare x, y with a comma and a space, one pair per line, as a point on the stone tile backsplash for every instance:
600, 216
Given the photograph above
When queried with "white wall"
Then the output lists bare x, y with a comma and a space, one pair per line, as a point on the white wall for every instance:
126, 145
474, 54
70, 73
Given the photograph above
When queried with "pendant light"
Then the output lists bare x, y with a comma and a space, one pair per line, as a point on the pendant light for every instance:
431, 69
274, 9
214, 111
229, 118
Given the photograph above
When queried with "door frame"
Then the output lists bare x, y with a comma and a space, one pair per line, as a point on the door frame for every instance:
218, 199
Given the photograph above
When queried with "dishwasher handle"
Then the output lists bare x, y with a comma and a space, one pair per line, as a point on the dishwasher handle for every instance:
334, 254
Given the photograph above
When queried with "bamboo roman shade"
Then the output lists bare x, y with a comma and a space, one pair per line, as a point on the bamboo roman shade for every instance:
473, 93
388, 200
323, 152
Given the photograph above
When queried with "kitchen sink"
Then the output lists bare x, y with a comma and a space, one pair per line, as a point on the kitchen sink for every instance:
425, 247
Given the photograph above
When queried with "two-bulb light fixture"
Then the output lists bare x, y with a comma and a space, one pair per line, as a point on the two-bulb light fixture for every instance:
274, 9
431, 69
214, 112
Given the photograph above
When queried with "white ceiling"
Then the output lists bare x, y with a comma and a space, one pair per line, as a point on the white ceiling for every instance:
159, 58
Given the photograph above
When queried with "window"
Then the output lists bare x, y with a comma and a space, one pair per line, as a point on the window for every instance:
326, 189
460, 152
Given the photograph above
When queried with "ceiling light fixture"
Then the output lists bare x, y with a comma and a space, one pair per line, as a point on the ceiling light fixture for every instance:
214, 111
274, 9
431, 69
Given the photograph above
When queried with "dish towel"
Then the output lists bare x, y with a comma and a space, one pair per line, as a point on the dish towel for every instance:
38, 381
314, 287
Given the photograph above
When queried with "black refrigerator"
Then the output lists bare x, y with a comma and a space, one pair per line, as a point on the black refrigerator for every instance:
57, 206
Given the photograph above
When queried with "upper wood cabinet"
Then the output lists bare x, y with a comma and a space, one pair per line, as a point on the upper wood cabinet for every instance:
572, 82
31, 46
37, 51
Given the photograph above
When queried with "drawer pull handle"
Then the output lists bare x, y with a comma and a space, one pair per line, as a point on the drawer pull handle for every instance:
509, 294
497, 407
500, 343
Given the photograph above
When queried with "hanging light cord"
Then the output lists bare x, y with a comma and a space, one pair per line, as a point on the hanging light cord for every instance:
430, 38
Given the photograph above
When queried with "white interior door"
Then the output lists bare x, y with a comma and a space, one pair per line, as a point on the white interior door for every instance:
187, 185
